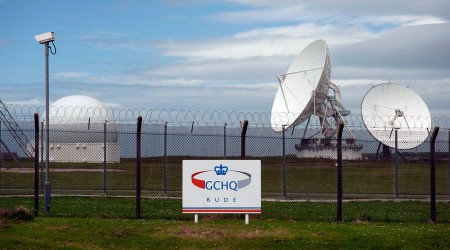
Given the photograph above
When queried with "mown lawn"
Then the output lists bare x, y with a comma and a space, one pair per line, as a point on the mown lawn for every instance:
108, 222
96, 233
170, 209
305, 178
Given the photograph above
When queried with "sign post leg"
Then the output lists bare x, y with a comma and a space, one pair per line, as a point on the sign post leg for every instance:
196, 218
247, 218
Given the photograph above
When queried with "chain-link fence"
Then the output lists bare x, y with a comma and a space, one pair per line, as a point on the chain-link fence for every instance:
95, 157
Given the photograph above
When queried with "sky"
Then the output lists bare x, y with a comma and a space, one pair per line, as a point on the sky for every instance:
221, 55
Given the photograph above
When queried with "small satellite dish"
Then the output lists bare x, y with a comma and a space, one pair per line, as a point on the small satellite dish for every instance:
390, 106
303, 88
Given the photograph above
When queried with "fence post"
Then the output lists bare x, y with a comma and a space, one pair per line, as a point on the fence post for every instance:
1, 155
165, 159
225, 141
339, 173
433, 174
243, 133
104, 159
36, 164
386, 153
396, 162
284, 161
138, 168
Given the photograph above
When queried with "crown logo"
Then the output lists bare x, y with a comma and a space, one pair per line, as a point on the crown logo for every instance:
221, 170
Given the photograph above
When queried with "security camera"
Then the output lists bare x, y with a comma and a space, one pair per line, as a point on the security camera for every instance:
45, 38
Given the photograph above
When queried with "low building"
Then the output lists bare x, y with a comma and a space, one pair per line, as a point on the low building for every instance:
80, 128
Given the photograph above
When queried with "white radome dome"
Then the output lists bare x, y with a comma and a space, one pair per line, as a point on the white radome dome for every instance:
81, 129
78, 100
78, 109
80, 119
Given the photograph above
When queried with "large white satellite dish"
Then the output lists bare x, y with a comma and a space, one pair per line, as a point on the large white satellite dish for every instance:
390, 106
303, 88
305, 91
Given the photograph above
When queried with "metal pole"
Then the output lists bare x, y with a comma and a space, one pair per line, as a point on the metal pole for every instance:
284, 162
165, 159
339, 173
378, 151
47, 137
104, 159
433, 174
42, 156
396, 163
138, 168
449, 164
1, 155
225, 141
36, 164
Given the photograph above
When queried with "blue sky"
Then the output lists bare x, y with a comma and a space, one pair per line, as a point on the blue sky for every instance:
219, 55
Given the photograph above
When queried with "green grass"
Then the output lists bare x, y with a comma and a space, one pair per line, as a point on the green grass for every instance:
124, 208
306, 178
107, 222
83, 233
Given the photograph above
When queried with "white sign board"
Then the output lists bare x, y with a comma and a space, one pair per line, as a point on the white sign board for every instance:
222, 186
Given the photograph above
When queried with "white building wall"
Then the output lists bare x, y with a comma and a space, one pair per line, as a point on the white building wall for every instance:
83, 152
330, 153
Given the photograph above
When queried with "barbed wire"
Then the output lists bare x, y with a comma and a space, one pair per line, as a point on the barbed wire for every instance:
200, 118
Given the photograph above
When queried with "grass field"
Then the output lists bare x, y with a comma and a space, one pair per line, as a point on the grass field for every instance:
306, 178
107, 222
94, 233
124, 208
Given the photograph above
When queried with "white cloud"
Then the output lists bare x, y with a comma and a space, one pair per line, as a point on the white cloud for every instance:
269, 15
439, 8
314, 12
32, 102
109, 40
402, 20
287, 40
264, 42
386, 73
72, 74
112, 105
418, 47
352, 82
